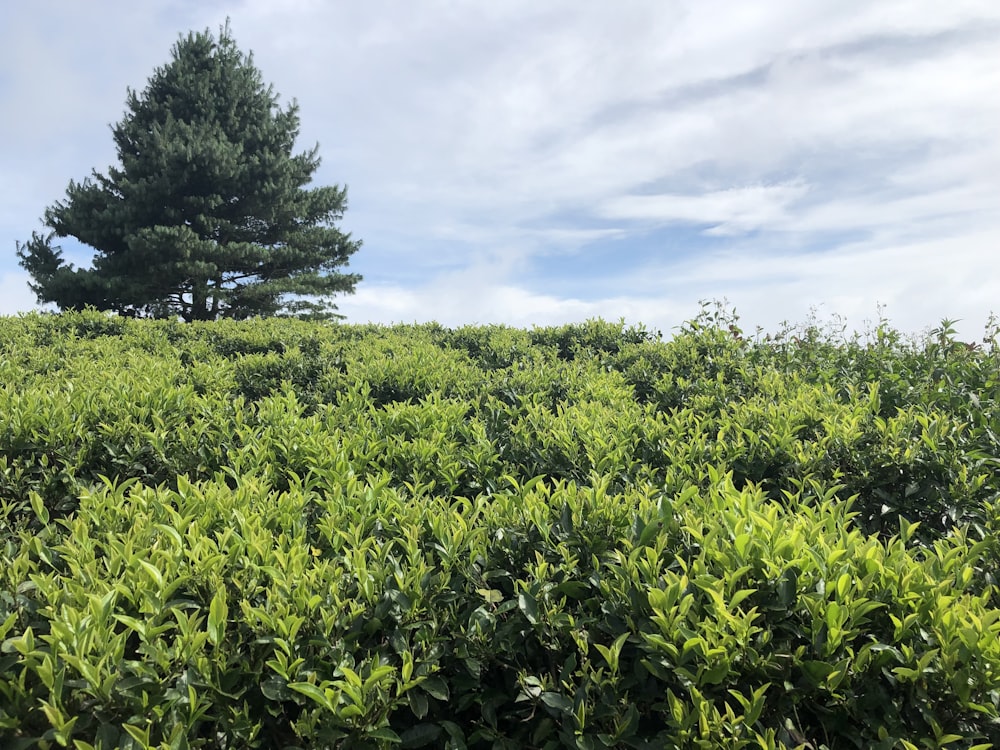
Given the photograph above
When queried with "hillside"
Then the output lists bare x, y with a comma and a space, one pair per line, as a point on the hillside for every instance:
281, 534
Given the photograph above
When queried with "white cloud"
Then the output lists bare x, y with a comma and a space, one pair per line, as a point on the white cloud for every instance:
487, 301
732, 211
918, 283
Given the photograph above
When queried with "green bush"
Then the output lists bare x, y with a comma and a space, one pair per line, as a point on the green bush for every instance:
287, 534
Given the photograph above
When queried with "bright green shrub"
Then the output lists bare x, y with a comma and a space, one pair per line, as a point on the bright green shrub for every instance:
592, 337
284, 534
494, 347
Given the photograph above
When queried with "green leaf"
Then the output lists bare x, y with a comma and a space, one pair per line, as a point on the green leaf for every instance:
574, 589
843, 585
377, 675
834, 614
492, 596
385, 734
650, 532
171, 532
739, 596
5, 627
154, 573
218, 612
557, 701
313, 692
418, 703
38, 505
275, 689
741, 542
421, 735
817, 671
528, 606
714, 675
612, 653
566, 519
946, 739
436, 688
139, 735
455, 733
788, 587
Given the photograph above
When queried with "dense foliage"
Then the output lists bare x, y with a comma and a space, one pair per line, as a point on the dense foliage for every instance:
207, 214
280, 534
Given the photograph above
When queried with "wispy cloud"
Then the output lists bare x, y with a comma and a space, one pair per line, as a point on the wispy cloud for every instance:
732, 211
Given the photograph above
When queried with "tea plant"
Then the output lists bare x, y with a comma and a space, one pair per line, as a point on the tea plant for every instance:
303, 535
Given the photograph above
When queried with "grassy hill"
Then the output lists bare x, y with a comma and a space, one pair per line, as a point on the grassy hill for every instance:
280, 534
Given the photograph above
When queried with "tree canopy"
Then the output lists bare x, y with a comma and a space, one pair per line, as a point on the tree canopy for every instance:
207, 213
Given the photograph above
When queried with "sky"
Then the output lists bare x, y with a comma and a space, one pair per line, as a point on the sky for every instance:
538, 163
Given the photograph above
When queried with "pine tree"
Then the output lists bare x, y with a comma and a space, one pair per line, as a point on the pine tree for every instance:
207, 214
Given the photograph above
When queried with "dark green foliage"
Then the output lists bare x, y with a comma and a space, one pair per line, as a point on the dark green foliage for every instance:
290, 534
207, 214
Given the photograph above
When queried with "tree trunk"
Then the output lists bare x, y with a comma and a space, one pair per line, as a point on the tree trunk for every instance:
199, 301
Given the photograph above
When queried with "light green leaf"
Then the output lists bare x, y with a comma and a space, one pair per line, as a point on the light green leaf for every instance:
313, 692
493, 596
218, 612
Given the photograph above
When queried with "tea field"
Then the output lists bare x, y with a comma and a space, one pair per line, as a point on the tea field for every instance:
282, 534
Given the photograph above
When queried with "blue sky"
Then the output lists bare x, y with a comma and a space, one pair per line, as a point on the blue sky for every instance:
538, 163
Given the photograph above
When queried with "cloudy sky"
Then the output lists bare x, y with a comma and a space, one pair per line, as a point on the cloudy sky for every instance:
532, 162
